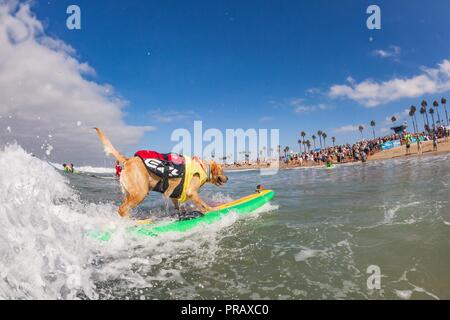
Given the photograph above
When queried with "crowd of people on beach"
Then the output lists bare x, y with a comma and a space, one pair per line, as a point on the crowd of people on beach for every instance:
346, 153
336, 154
357, 152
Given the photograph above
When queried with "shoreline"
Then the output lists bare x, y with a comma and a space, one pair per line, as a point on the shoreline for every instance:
395, 153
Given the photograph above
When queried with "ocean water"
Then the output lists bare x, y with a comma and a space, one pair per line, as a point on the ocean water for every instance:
316, 240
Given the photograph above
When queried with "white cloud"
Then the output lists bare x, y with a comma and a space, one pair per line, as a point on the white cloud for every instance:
313, 91
371, 93
43, 91
301, 109
171, 116
265, 119
347, 128
400, 116
350, 80
295, 102
391, 52
57, 45
323, 106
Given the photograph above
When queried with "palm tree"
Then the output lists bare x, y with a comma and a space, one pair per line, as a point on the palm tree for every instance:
286, 150
319, 133
436, 105
303, 134
423, 112
424, 103
431, 111
393, 119
308, 144
314, 140
373, 124
334, 140
324, 136
444, 103
300, 145
424, 108
361, 128
412, 113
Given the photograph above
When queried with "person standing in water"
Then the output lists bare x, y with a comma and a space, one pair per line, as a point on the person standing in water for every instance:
408, 139
363, 155
435, 141
419, 144
328, 164
118, 169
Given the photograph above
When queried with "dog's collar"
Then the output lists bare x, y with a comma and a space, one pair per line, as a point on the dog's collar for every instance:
207, 170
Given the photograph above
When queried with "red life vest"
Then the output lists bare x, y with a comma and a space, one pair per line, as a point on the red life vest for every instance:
171, 157
166, 166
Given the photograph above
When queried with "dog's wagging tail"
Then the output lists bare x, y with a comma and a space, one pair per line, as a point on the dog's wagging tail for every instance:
137, 181
109, 148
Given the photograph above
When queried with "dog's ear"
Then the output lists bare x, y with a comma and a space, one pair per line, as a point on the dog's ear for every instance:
215, 168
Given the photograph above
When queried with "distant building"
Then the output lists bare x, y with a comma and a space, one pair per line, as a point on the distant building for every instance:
400, 129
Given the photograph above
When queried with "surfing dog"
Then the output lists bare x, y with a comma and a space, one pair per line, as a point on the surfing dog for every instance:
137, 180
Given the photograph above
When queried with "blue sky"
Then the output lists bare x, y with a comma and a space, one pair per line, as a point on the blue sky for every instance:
252, 64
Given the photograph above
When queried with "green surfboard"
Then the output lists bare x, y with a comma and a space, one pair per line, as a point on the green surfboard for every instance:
241, 206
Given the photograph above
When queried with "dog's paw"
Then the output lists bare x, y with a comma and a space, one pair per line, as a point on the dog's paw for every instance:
190, 215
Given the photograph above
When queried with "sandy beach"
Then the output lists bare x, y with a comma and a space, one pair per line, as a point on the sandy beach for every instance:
398, 152
427, 149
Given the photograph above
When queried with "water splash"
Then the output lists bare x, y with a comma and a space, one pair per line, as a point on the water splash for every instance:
45, 254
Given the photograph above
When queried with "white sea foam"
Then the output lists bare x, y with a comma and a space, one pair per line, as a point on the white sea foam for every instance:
390, 213
404, 294
306, 253
95, 169
88, 169
41, 255
268, 207
45, 253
